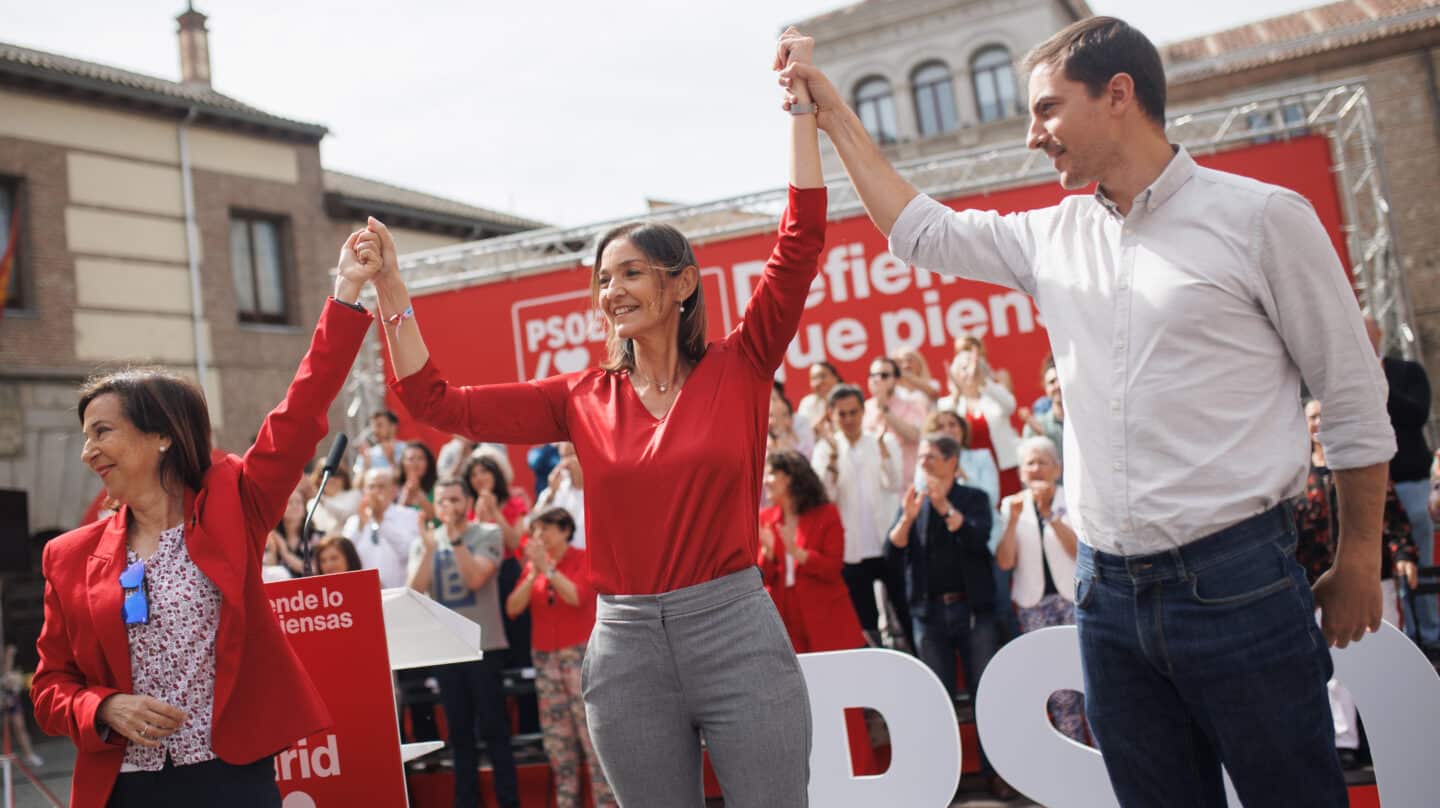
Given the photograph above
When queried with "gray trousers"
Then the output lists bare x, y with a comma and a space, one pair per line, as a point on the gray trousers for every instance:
710, 660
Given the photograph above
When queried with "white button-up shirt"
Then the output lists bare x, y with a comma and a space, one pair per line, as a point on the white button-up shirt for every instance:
385, 545
1182, 333
865, 488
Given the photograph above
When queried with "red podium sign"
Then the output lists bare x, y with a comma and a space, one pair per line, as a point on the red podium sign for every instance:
335, 625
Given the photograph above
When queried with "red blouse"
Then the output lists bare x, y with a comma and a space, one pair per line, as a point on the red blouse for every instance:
555, 624
669, 502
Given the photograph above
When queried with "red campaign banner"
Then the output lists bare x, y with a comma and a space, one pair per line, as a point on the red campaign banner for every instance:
335, 625
865, 302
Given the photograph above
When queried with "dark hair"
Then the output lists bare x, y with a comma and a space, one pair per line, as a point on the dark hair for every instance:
559, 517
346, 548
806, 490
387, 415
894, 366
502, 488
780, 391
833, 372
671, 251
451, 482
932, 424
944, 444
427, 478
340, 471
159, 402
1095, 49
840, 391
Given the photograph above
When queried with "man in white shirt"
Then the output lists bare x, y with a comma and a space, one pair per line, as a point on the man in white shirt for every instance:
383, 531
863, 475
1184, 308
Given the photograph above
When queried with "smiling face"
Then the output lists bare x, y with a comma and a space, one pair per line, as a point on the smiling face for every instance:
127, 460
636, 296
1052, 384
555, 539
1078, 133
451, 504
882, 377
777, 484
822, 380
1038, 467
481, 479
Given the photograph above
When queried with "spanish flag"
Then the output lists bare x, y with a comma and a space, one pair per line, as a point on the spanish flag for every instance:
7, 258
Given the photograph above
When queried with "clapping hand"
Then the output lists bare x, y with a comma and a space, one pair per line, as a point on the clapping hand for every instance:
427, 533
536, 555
911, 503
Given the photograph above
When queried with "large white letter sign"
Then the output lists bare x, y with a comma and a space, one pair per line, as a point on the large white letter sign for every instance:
924, 740
1394, 685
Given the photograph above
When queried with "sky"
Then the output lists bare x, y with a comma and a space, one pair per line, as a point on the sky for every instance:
566, 111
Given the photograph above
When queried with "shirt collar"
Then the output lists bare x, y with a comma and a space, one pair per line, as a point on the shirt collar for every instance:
1177, 172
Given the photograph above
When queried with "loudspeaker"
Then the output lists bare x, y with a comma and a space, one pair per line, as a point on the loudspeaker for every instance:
14, 530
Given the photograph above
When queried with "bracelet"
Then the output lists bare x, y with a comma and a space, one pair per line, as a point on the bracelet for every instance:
1055, 515
804, 109
355, 305
397, 319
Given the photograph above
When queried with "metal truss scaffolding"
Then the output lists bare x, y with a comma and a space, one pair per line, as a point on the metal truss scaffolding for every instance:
1340, 111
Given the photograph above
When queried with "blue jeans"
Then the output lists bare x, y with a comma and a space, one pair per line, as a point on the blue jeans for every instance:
950, 628
1206, 655
1414, 497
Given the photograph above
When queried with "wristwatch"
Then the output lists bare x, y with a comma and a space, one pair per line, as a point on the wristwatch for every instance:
457, 542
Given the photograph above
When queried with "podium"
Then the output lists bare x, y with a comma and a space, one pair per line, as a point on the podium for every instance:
351, 636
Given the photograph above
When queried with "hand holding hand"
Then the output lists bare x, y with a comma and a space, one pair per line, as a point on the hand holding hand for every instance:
359, 262
390, 257
142, 720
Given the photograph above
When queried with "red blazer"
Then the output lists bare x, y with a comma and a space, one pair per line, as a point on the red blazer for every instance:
264, 700
817, 611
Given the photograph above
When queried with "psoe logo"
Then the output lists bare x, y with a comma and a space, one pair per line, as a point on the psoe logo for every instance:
562, 333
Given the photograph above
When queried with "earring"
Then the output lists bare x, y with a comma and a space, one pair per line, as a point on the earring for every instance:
163, 448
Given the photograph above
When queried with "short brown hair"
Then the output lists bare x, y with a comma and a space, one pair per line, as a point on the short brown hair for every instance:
346, 548
559, 517
1093, 50
158, 402
671, 253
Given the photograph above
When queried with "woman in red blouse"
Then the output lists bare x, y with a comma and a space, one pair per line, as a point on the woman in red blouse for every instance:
555, 588
802, 549
160, 656
671, 432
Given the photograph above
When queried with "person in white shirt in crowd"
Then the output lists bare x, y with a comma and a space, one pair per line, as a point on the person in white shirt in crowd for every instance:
380, 450
1049, 423
816, 404
565, 489
1039, 546
1184, 306
382, 530
891, 409
915, 375
986, 403
452, 455
789, 430
863, 476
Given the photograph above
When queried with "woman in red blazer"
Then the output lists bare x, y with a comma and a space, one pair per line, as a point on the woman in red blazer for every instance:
802, 549
160, 656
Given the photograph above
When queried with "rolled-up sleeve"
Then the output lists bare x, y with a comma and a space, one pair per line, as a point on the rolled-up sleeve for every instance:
978, 244
1314, 308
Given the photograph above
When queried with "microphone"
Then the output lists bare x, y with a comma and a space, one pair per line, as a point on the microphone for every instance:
332, 462
337, 451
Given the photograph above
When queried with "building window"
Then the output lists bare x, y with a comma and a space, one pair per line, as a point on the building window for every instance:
257, 259
934, 99
994, 78
12, 289
875, 104
1292, 114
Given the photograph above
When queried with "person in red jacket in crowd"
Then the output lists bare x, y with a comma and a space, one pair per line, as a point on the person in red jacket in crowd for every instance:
160, 656
670, 430
555, 588
802, 550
